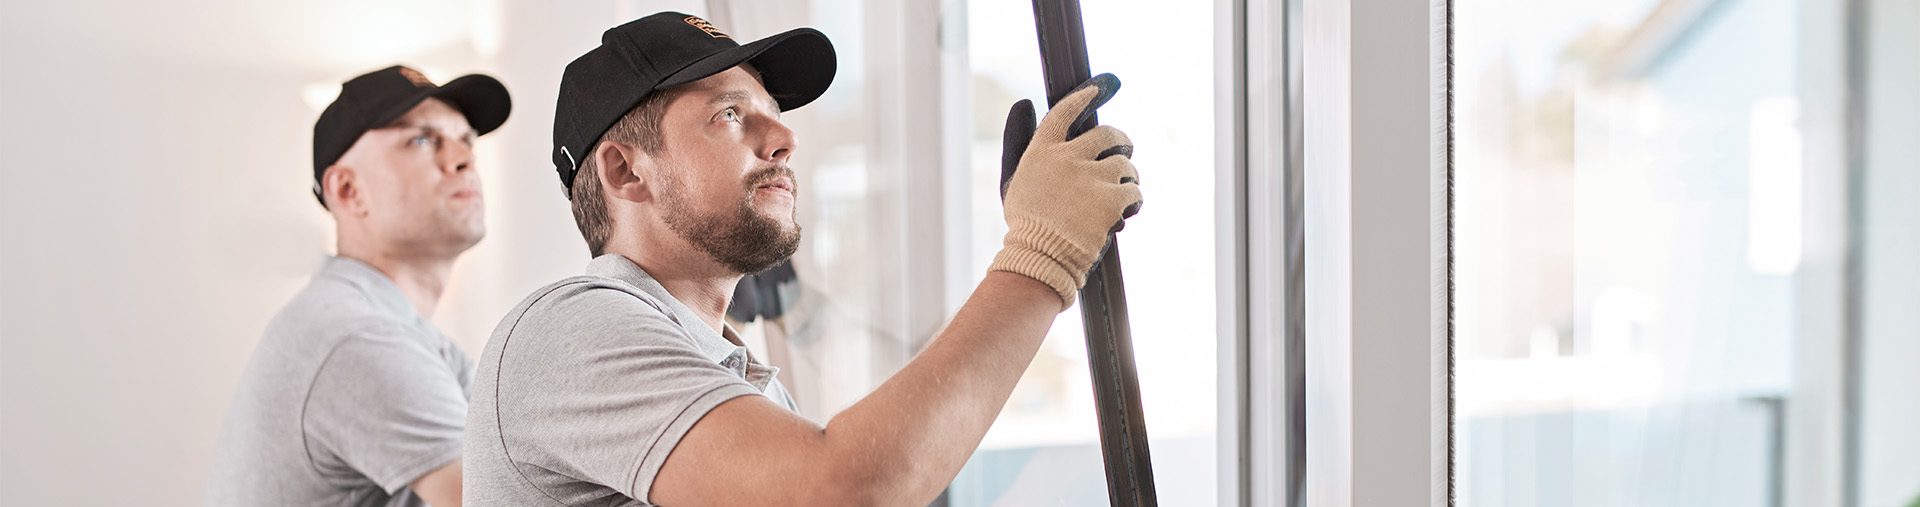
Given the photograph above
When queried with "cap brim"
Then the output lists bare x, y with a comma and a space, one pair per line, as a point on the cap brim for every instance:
482, 99
796, 66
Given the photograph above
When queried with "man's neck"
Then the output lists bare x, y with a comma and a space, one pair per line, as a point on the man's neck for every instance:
706, 292
422, 281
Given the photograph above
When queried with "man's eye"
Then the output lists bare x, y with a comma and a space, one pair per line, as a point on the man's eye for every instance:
422, 140
729, 115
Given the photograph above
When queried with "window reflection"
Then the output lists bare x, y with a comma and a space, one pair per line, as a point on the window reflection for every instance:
1628, 221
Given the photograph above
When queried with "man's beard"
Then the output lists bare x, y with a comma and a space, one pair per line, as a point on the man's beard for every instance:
743, 240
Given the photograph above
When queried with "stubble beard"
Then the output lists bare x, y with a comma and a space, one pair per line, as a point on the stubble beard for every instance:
742, 239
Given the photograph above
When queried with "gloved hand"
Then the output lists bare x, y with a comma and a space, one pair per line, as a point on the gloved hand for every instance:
1063, 194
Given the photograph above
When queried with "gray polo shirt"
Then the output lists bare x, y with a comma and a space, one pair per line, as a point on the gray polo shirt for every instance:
588, 384
350, 395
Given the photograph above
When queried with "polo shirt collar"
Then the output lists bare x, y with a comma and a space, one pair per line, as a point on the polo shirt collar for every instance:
380, 291
720, 347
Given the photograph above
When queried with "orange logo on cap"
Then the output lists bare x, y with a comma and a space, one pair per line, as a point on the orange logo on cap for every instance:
704, 26
419, 80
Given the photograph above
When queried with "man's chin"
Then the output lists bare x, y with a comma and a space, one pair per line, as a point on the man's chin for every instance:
465, 232
777, 210
474, 236
784, 217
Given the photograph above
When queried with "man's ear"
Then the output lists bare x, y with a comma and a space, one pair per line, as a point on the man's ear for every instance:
341, 187
624, 172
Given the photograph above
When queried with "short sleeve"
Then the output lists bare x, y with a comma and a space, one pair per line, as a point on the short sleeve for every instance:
599, 387
387, 406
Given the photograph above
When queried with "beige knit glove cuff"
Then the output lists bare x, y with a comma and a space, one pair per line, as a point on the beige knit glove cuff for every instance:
1066, 196
1031, 250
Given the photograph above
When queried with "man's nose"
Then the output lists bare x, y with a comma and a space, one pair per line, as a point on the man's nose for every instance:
456, 156
777, 142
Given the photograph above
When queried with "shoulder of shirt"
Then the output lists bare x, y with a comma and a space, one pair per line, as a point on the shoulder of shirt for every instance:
337, 309
593, 288
559, 303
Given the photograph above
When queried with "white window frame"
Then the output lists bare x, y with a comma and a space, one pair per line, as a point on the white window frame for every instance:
1816, 425
1369, 238
1848, 441
1257, 84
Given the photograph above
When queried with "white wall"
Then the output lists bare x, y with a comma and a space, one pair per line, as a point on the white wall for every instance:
154, 208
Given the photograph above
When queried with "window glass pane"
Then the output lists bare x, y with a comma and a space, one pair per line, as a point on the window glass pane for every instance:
1628, 229
1044, 449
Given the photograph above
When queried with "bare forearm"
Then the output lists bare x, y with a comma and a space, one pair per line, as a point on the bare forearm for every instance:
915, 432
440, 487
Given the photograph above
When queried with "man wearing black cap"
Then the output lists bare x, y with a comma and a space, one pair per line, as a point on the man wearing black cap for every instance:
625, 387
352, 397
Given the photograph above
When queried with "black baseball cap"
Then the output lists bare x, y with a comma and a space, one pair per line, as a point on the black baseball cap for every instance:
377, 98
670, 49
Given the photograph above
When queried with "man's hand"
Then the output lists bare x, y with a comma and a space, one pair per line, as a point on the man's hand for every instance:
1064, 193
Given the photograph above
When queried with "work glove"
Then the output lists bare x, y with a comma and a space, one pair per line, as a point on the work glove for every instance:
1064, 192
